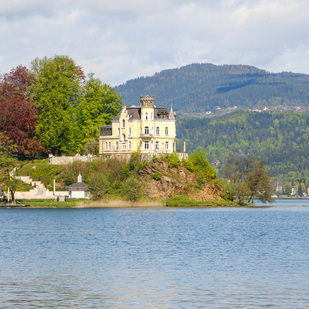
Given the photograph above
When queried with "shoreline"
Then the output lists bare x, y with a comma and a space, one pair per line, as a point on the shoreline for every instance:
124, 204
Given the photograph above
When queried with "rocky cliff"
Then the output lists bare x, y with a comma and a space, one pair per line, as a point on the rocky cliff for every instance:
162, 181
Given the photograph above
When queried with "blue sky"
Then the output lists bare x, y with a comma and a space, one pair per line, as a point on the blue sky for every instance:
123, 39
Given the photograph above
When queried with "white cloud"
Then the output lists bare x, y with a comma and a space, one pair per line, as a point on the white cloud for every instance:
124, 39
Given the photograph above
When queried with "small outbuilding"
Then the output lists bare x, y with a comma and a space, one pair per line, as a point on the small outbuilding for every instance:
78, 189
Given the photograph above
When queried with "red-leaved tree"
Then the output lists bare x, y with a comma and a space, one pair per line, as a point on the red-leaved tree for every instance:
17, 114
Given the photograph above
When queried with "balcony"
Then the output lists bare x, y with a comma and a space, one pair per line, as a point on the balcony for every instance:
146, 135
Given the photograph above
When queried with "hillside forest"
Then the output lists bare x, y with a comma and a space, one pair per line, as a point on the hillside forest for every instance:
196, 89
280, 139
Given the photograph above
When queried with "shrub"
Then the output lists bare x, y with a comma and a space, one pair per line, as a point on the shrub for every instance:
132, 189
157, 176
173, 161
142, 165
98, 185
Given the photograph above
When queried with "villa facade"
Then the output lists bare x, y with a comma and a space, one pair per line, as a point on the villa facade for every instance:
145, 129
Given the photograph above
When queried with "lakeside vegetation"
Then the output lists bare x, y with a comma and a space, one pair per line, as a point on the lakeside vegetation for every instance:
191, 182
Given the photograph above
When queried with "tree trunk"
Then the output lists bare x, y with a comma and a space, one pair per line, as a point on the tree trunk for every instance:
13, 197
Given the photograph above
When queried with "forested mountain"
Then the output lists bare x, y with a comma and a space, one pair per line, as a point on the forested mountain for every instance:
282, 139
198, 88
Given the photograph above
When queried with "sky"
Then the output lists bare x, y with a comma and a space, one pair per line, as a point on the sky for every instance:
120, 40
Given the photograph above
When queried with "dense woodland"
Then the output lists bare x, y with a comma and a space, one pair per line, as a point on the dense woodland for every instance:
198, 88
281, 139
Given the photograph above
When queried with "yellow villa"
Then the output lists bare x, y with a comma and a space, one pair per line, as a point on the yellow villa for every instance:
145, 129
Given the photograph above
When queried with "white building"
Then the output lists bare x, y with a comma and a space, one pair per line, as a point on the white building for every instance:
78, 189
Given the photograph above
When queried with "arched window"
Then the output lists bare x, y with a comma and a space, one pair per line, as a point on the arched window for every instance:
146, 116
118, 131
166, 130
167, 146
157, 130
123, 123
123, 138
146, 130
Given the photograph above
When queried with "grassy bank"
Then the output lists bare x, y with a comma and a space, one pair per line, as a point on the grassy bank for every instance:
49, 203
172, 202
187, 202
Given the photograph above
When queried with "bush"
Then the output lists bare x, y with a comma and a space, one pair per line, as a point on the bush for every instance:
198, 163
142, 165
157, 176
173, 161
99, 185
132, 189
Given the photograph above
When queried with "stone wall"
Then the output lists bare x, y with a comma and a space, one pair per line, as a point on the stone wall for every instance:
144, 156
63, 160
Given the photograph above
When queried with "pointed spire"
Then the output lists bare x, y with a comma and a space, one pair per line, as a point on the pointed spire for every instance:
79, 178
172, 114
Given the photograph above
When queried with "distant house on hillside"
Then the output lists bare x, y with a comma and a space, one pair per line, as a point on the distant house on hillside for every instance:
146, 129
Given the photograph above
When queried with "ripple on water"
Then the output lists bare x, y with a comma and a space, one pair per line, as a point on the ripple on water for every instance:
157, 258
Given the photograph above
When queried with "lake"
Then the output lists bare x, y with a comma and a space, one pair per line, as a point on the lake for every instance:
156, 258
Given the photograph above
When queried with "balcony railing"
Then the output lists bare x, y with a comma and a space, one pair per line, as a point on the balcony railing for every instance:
146, 135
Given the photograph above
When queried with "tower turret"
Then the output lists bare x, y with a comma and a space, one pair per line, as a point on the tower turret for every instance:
147, 101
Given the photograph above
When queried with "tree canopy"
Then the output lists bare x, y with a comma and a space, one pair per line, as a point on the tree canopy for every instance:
248, 178
55, 92
66, 109
18, 119
98, 106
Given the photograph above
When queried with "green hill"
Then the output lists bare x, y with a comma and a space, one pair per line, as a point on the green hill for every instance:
198, 88
282, 139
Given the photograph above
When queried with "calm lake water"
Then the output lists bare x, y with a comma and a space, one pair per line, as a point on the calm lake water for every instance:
155, 258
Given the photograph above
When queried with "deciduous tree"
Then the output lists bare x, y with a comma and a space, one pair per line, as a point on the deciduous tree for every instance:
56, 91
98, 106
248, 178
18, 117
